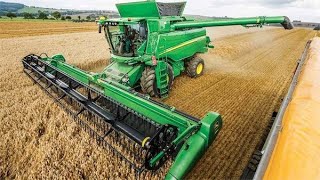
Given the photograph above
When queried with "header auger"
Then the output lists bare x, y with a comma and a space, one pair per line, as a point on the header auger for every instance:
151, 44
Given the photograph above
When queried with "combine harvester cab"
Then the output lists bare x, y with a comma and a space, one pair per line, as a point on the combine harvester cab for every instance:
150, 45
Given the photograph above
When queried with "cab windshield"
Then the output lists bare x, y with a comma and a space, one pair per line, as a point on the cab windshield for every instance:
125, 40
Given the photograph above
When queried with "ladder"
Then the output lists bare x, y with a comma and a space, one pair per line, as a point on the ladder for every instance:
162, 78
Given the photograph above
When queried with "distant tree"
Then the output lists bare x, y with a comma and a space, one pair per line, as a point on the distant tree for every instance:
63, 18
56, 15
68, 17
42, 15
24, 15
79, 17
0, 17
88, 18
27, 16
11, 15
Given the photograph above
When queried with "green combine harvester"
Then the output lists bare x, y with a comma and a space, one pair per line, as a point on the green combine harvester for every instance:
151, 44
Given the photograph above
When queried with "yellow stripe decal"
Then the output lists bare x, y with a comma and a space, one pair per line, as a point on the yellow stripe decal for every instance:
181, 45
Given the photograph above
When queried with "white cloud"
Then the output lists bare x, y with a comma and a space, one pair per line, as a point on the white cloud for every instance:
306, 10
312, 4
294, 12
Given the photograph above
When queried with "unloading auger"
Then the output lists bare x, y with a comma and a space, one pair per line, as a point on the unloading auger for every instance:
150, 45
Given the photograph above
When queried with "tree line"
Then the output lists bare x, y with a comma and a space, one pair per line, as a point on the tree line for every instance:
56, 15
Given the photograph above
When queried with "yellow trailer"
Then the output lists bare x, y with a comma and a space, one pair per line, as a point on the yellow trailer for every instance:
292, 149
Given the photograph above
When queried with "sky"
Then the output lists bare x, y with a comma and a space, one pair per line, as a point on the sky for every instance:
305, 10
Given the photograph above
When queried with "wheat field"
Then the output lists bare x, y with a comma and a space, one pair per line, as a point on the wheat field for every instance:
246, 76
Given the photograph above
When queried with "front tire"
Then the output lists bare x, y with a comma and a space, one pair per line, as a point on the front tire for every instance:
148, 81
195, 67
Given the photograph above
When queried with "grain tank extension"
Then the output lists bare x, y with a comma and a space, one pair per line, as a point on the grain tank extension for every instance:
152, 43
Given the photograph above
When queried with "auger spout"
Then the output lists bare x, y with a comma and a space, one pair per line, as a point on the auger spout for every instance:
256, 21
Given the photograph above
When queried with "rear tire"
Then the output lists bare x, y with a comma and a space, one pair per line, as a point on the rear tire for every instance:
195, 67
148, 81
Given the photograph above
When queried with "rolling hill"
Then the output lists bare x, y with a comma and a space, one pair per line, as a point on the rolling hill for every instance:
19, 9
10, 7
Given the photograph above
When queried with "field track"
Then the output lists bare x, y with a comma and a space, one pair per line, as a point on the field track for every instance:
246, 77
12, 29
